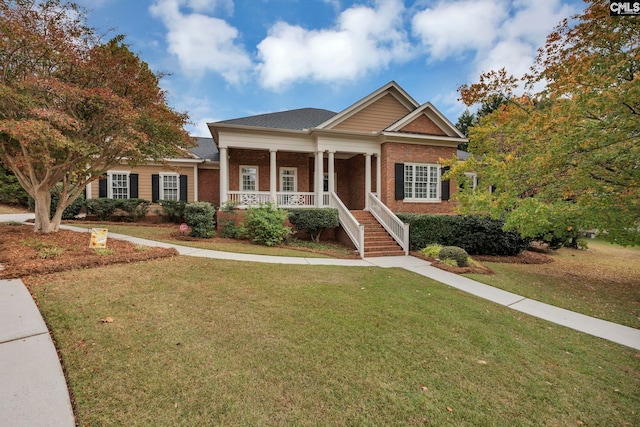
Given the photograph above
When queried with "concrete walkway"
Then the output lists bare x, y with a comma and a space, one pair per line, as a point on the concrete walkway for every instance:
34, 392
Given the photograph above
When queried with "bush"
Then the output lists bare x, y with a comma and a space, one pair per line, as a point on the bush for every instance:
231, 229
135, 209
102, 208
459, 255
174, 210
265, 225
200, 217
315, 221
11, 191
478, 235
432, 250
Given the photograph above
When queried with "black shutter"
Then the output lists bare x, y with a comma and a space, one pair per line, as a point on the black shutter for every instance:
399, 181
102, 186
155, 188
184, 188
444, 192
133, 185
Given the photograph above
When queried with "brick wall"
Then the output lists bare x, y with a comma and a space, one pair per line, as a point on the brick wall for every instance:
393, 153
423, 125
209, 186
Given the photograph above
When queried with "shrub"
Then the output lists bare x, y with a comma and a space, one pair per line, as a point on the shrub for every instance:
231, 229
200, 217
135, 209
450, 262
10, 189
102, 208
173, 209
432, 250
459, 255
315, 221
478, 235
265, 225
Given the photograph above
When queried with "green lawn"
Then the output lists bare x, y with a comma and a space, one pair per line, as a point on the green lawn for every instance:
211, 342
603, 281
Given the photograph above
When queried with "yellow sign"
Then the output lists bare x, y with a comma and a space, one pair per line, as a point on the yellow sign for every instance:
98, 238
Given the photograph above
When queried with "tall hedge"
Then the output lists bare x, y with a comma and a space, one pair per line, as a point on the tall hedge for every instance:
478, 235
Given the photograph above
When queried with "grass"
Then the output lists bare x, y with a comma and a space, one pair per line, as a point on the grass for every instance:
201, 342
603, 281
163, 234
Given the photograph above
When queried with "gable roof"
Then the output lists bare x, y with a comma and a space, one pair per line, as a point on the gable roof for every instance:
302, 118
392, 88
205, 149
433, 115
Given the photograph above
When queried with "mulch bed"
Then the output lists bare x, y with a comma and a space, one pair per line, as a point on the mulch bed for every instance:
19, 254
526, 257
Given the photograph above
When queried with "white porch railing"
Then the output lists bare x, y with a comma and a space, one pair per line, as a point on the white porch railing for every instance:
394, 226
349, 223
283, 199
249, 198
295, 200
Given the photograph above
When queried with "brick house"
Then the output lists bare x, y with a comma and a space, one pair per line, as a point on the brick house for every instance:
378, 156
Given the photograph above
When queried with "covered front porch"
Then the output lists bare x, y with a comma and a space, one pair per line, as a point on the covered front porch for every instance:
345, 181
297, 179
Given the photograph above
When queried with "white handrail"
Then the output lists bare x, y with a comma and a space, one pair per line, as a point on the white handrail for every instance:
351, 226
394, 226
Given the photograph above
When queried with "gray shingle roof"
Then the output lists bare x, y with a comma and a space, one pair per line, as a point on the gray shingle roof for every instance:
303, 118
206, 149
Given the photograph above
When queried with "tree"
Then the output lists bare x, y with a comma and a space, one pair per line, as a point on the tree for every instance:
567, 156
72, 107
468, 119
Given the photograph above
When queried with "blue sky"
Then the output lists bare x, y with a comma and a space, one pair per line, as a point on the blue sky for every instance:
234, 58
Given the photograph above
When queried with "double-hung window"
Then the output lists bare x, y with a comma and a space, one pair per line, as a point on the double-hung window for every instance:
421, 182
119, 185
248, 178
169, 187
288, 180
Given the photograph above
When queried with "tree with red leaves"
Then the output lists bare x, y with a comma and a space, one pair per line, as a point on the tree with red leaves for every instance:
72, 107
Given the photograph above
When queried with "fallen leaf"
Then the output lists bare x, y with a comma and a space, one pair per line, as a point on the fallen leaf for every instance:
449, 408
482, 362
579, 423
424, 388
107, 320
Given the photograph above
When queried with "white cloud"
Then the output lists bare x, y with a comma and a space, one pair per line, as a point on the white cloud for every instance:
201, 42
364, 39
454, 27
496, 33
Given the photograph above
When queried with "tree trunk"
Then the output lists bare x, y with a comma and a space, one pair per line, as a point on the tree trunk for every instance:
42, 198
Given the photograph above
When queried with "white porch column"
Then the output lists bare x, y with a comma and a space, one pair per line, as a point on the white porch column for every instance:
273, 175
319, 177
224, 175
195, 183
378, 176
332, 171
367, 179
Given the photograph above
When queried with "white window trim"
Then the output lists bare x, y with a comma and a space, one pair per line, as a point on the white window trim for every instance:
438, 184
161, 183
295, 178
257, 177
110, 183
